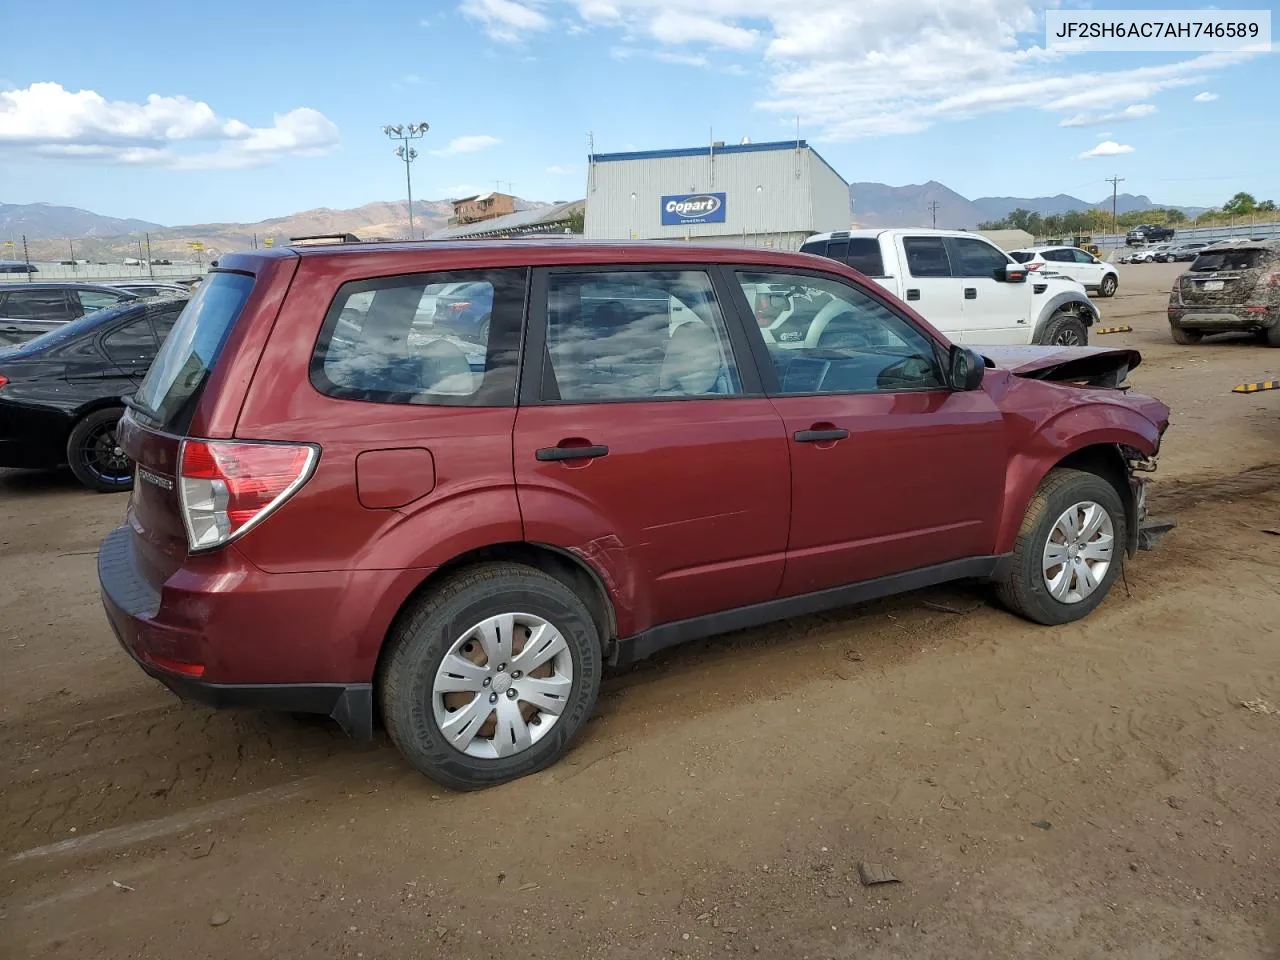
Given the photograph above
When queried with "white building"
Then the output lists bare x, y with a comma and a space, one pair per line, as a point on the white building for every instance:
752, 194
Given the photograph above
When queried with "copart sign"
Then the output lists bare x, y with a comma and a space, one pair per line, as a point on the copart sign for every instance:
692, 208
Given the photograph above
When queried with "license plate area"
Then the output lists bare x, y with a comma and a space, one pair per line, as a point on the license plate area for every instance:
1212, 285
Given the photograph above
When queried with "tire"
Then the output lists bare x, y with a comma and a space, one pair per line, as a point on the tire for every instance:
1025, 589
93, 455
482, 331
1185, 337
1271, 335
1108, 286
445, 623
1065, 329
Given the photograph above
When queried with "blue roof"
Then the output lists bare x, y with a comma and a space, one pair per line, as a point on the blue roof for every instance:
708, 149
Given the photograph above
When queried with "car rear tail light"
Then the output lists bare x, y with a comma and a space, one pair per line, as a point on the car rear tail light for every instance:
458, 306
1034, 266
227, 487
3, 379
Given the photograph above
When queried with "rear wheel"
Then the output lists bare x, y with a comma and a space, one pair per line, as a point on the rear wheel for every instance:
1184, 336
1108, 286
1272, 335
490, 676
1065, 329
94, 455
1069, 549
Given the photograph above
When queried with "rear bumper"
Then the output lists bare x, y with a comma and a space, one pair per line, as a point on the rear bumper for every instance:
239, 637
1222, 318
30, 455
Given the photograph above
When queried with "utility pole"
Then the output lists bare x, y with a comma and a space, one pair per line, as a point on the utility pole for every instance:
26, 256
1114, 181
406, 153
933, 209
151, 268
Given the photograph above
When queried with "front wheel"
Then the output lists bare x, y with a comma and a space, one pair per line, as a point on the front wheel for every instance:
490, 676
1069, 549
1066, 330
1108, 286
95, 456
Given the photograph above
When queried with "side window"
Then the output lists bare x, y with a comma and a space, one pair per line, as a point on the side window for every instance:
1082, 256
1057, 256
865, 257
926, 257
839, 339
39, 305
817, 247
91, 300
976, 258
429, 338
131, 342
636, 335
163, 320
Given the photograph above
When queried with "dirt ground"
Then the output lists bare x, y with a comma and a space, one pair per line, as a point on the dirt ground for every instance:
1097, 789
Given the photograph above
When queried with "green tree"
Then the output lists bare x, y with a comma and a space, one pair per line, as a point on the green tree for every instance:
1267, 206
1241, 205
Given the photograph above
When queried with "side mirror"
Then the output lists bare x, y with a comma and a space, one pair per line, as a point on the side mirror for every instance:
967, 368
1012, 273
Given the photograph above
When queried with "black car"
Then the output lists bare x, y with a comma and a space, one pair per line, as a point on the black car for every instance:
60, 394
30, 309
1148, 233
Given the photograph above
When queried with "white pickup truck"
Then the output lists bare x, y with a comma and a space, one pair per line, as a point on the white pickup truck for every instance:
965, 285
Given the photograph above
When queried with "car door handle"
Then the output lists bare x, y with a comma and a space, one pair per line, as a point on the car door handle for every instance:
572, 453
913, 294
971, 293
817, 436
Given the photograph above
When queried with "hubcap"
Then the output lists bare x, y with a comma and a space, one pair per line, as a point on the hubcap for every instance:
1078, 552
103, 457
1067, 338
502, 686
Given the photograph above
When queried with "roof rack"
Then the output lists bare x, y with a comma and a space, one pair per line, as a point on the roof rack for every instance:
320, 239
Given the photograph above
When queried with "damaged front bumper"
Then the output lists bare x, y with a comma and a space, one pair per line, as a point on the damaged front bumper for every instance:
1146, 529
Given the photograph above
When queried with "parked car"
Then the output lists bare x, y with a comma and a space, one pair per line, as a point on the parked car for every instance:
1151, 254
30, 309
60, 393
376, 528
1067, 261
151, 289
465, 308
1230, 287
1148, 233
965, 286
1181, 251
11, 266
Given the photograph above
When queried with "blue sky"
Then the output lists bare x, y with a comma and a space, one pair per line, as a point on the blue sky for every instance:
183, 113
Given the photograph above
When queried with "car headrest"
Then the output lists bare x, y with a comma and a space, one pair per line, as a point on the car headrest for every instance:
692, 362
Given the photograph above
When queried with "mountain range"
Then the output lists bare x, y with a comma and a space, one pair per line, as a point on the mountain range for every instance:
49, 227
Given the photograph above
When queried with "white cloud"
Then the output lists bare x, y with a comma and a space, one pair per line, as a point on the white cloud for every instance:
1204, 97
685, 59
871, 67
424, 22
1107, 148
562, 169
469, 144
505, 20
178, 132
411, 78
1134, 111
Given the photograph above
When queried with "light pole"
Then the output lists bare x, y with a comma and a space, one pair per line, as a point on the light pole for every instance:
406, 153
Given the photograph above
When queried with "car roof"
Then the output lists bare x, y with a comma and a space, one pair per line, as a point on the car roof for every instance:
57, 285
1271, 245
461, 254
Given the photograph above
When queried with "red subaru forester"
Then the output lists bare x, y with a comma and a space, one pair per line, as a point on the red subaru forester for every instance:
347, 503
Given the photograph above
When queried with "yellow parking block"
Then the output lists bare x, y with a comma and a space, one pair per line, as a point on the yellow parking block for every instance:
1256, 387
1101, 330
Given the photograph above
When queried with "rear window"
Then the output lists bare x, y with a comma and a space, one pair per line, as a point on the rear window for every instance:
173, 384
1231, 260
1022, 256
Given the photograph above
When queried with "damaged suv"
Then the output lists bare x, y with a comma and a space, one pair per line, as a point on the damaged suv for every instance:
346, 504
1230, 287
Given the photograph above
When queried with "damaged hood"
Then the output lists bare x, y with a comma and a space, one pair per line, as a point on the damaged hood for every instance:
1094, 366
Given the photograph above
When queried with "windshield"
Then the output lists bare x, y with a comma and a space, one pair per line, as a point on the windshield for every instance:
181, 368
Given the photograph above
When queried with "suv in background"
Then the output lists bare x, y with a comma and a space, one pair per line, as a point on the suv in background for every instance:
1233, 286
30, 309
1080, 265
1179, 252
1147, 233
371, 525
